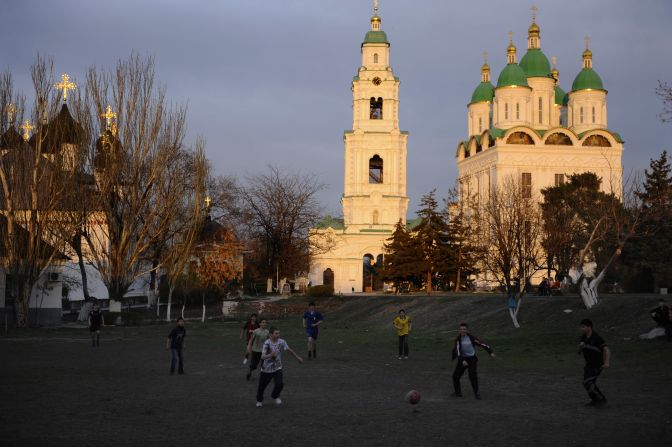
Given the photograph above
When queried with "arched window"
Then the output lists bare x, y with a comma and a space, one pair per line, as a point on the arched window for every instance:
375, 217
593, 115
596, 140
517, 111
506, 110
480, 125
375, 58
519, 138
559, 139
328, 277
541, 105
580, 115
376, 111
375, 169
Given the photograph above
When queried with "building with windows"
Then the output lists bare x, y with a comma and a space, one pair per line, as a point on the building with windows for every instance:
528, 128
345, 252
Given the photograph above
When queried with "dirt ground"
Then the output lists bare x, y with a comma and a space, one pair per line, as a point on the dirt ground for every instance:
57, 390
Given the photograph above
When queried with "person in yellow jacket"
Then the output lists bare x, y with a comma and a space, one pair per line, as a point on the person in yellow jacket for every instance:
403, 325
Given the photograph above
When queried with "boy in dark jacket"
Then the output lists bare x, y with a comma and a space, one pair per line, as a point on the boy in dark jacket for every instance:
464, 350
176, 344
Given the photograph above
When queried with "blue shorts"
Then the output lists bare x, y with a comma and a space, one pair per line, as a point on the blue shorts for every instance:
312, 333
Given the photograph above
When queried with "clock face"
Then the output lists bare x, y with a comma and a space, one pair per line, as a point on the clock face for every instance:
376, 81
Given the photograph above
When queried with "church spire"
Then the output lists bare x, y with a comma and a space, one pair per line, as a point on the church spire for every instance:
587, 55
533, 39
375, 20
485, 68
555, 74
511, 50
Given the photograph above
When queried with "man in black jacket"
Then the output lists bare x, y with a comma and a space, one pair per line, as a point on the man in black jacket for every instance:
464, 350
597, 355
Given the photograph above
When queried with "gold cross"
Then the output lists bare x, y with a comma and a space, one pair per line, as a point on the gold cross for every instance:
587, 41
510, 37
554, 61
65, 85
108, 115
375, 7
11, 110
534, 12
485, 57
27, 128
208, 201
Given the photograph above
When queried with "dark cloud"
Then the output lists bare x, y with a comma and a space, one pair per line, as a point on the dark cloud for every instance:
268, 81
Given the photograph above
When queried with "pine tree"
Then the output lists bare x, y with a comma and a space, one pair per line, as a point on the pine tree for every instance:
465, 250
432, 236
399, 262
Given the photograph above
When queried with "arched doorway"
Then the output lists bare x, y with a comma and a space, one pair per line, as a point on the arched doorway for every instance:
371, 273
328, 277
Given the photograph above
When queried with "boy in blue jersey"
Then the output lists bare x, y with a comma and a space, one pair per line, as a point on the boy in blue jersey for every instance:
311, 320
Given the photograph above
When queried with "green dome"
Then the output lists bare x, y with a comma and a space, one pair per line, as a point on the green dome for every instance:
512, 75
376, 37
587, 79
535, 64
559, 96
484, 92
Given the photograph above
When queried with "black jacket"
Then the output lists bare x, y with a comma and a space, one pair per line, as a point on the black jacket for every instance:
457, 354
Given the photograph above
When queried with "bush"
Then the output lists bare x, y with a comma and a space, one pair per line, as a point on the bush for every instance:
320, 291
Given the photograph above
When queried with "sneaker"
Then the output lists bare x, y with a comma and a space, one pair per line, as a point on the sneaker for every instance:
248, 375
477, 396
406, 358
400, 357
259, 404
278, 401
456, 395
245, 361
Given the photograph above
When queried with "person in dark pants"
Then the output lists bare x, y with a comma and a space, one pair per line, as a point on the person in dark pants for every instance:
311, 321
403, 326
96, 321
250, 325
661, 315
255, 345
271, 366
176, 344
597, 355
464, 350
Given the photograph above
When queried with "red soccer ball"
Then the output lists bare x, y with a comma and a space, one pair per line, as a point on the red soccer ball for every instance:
413, 397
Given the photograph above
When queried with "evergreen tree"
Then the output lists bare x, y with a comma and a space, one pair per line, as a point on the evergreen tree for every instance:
401, 254
465, 251
432, 237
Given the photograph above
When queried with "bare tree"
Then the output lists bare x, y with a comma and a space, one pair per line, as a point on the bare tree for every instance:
511, 239
664, 90
34, 175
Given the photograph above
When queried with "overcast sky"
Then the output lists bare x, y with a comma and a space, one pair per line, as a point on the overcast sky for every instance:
268, 81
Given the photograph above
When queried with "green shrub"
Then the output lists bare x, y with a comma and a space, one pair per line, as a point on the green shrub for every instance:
320, 291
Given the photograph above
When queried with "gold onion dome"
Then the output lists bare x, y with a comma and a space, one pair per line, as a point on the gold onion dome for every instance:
376, 19
533, 29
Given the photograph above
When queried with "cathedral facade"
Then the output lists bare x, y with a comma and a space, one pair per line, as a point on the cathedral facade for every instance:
346, 252
527, 128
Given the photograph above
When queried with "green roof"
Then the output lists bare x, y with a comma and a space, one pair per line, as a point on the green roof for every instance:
587, 79
616, 135
331, 222
535, 64
496, 133
484, 92
376, 37
560, 96
512, 75
413, 223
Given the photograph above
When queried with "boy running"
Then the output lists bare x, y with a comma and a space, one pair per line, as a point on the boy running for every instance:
403, 325
271, 366
597, 355
311, 320
255, 345
96, 320
464, 350
176, 344
249, 327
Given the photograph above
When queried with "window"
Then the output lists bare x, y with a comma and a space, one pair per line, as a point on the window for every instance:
517, 111
375, 217
541, 105
559, 179
506, 110
375, 58
480, 125
376, 111
593, 115
580, 115
376, 169
526, 184
328, 277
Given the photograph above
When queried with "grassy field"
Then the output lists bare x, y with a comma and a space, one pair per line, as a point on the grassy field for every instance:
57, 390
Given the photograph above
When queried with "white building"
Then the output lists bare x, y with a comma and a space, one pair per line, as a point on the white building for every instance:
526, 127
374, 193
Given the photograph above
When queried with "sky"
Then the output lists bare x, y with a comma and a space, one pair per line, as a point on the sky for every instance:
268, 81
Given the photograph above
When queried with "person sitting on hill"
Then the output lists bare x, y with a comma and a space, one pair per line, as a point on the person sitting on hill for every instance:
661, 315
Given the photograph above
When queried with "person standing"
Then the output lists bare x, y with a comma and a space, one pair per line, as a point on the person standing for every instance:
403, 325
250, 326
96, 321
464, 350
271, 366
176, 344
255, 345
661, 315
311, 320
597, 355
